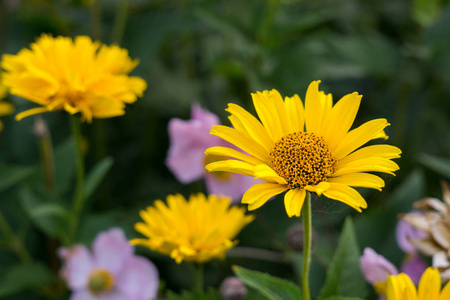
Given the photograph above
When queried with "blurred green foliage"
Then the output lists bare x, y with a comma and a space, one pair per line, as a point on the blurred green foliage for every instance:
394, 53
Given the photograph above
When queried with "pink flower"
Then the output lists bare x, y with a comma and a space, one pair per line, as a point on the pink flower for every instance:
186, 156
374, 267
110, 271
405, 232
414, 266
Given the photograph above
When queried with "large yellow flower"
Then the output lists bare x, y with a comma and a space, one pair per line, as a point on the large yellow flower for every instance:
197, 230
400, 287
5, 107
299, 149
73, 75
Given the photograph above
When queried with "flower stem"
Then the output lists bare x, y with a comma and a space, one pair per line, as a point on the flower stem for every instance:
198, 287
306, 246
14, 242
78, 200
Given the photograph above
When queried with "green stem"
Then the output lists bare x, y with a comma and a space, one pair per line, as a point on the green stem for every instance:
120, 22
78, 200
198, 287
306, 246
14, 242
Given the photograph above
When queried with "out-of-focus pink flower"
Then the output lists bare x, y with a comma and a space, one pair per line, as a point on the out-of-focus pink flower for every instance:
414, 266
110, 271
404, 232
374, 267
186, 156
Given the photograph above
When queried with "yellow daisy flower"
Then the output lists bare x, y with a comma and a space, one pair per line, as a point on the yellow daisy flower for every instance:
197, 230
400, 287
298, 148
5, 107
78, 76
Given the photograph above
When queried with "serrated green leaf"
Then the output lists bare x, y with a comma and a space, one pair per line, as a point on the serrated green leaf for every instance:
21, 277
95, 176
271, 287
13, 175
440, 165
344, 275
211, 294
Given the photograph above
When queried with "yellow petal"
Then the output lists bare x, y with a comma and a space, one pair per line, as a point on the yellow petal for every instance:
359, 136
253, 127
30, 112
445, 293
318, 188
233, 153
313, 109
370, 164
267, 111
231, 165
240, 140
237, 124
293, 202
295, 114
430, 284
266, 173
384, 151
6, 108
359, 180
340, 119
259, 193
347, 195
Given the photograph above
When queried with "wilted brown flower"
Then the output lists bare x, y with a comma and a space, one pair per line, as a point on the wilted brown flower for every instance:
433, 218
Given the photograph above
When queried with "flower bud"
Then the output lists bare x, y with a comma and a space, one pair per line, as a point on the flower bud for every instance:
232, 288
295, 237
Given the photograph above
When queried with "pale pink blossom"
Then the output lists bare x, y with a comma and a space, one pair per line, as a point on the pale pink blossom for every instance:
374, 267
186, 156
110, 271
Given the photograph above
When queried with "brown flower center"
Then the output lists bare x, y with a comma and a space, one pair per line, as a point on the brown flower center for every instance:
302, 159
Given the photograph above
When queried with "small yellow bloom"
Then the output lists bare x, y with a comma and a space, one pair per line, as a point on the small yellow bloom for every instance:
78, 76
400, 287
298, 148
5, 107
197, 230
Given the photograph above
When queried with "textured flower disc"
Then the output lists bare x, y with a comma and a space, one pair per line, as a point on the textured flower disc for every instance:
299, 148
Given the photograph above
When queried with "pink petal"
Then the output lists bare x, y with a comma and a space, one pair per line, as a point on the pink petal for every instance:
188, 142
375, 267
234, 187
112, 250
404, 232
414, 266
140, 279
86, 295
77, 265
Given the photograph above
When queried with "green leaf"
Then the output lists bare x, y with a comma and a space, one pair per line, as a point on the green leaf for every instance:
21, 277
211, 294
15, 174
425, 11
95, 176
50, 217
344, 276
271, 287
440, 165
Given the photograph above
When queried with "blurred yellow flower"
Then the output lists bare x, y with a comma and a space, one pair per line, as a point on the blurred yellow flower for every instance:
400, 287
79, 76
197, 230
5, 107
323, 158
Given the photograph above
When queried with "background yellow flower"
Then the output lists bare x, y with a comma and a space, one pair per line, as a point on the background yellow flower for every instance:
197, 230
5, 108
79, 76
